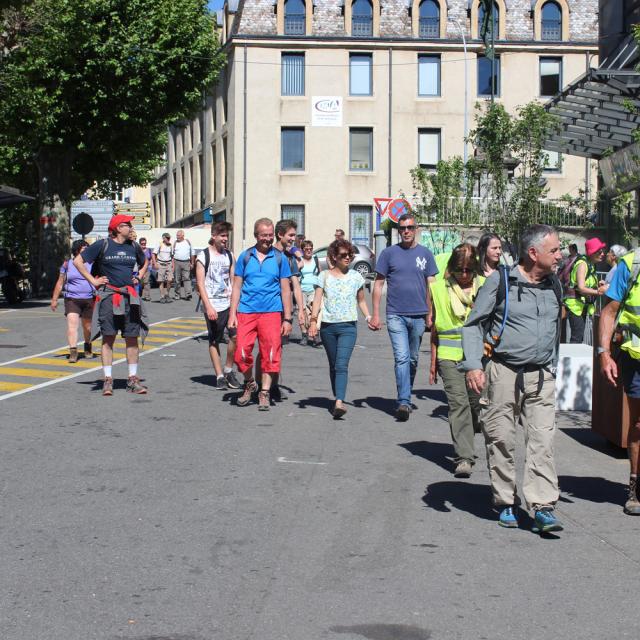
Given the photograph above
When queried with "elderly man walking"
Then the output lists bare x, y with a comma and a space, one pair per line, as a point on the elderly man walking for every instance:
183, 259
516, 319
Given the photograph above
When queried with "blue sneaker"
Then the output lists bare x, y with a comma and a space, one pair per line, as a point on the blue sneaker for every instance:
545, 521
507, 518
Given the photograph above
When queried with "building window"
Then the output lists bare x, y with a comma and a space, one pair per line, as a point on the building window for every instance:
550, 76
551, 24
294, 212
552, 162
292, 148
360, 149
360, 225
292, 74
429, 19
428, 75
493, 20
429, 151
362, 18
488, 75
294, 18
360, 74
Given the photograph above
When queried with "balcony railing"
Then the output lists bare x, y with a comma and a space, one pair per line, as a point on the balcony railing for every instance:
294, 25
429, 27
361, 26
551, 30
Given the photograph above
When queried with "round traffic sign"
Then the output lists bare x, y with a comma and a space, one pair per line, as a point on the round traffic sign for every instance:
398, 208
83, 224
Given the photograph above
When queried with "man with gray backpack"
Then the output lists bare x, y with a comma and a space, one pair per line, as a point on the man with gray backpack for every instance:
621, 316
514, 330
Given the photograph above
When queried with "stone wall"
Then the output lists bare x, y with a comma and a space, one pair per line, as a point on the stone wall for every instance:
257, 17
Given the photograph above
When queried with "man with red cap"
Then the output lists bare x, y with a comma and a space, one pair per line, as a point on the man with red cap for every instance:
118, 305
584, 288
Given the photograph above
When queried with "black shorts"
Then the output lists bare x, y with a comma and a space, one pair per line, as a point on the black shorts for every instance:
127, 324
215, 328
630, 374
82, 306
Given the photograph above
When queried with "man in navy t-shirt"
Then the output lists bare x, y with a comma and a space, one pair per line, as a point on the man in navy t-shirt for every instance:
408, 268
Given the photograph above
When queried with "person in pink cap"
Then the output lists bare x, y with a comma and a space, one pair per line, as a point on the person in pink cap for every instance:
118, 306
584, 288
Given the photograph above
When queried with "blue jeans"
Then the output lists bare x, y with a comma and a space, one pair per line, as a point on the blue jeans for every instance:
406, 335
339, 339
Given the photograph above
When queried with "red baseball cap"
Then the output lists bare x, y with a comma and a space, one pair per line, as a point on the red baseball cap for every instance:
119, 219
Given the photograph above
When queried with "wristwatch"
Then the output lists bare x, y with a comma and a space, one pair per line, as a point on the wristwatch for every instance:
289, 320
601, 350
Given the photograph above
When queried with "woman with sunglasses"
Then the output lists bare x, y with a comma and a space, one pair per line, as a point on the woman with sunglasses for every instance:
584, 288
453, 299
339, 294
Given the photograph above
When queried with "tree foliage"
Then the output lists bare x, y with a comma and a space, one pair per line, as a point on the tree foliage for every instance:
87, 93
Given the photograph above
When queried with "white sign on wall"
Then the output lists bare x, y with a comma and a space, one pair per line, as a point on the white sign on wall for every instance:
326, 111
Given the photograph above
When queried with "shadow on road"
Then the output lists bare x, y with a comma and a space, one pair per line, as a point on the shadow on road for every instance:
593, 440
593, 489
208, 380
431, 394
315, 401
463, 496
385, 405
436, 452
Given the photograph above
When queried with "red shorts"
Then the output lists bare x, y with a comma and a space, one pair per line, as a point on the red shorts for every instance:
266, 327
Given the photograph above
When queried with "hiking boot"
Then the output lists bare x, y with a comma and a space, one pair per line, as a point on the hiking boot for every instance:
507, 518
221, 383
176, 297
107, 387
403, 412
632, 505
73, 354
545, 521
162, 301
264, 401
232, 380
134, 386
168, 300
304, 340
248, 389
278, 394
463, 469
88, 351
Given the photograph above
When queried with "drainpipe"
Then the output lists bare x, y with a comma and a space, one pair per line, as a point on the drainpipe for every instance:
390, 119
244, 153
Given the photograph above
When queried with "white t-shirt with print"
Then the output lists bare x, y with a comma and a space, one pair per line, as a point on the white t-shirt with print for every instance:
217, 281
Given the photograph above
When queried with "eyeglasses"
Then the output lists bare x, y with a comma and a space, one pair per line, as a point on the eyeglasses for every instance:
407, 227
342, 256
126, 224
463, 271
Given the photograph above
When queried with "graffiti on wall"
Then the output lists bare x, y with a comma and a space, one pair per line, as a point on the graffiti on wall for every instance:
444, 240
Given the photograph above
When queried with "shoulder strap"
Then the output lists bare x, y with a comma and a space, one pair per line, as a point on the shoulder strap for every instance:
207, 260
316, 269
635, 271
230, 256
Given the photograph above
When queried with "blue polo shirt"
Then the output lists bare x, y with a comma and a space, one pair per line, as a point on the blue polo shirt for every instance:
261, 281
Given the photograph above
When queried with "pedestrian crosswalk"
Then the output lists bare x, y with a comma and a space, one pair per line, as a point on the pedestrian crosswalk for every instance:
36, 371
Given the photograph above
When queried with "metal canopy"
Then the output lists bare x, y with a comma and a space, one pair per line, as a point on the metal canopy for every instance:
10, 197
594, 113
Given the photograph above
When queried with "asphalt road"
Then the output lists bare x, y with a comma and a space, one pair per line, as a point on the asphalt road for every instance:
178, 516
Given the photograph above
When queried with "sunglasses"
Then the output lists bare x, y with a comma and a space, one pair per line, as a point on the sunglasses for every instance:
342, 256
463, 271
407, 227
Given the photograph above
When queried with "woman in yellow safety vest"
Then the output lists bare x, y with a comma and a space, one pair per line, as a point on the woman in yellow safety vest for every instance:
584, 288
452, 301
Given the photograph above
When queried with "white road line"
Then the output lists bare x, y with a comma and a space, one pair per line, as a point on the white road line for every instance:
94, 370
282, 459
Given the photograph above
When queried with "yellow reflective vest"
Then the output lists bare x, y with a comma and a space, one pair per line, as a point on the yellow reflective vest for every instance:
576, 305
629, 320
447, 325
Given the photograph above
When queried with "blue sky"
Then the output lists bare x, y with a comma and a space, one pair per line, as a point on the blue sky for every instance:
215, 4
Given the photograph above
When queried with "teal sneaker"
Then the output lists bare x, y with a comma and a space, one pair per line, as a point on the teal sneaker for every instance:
545, 521
507, 518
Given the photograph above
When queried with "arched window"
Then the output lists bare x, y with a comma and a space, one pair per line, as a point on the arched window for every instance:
551, 27
294, 18
362, 18
429, 19
493, 20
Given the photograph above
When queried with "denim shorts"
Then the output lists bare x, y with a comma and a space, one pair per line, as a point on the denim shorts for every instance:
630, 375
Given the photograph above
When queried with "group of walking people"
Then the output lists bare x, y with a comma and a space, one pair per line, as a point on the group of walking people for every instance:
495, 331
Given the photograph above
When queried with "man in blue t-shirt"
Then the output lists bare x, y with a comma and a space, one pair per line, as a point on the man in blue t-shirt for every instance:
408, 268
260, 307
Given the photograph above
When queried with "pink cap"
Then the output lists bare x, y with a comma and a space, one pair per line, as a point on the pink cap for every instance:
593, 245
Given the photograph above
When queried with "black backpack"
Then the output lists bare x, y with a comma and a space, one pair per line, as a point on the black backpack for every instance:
207, 259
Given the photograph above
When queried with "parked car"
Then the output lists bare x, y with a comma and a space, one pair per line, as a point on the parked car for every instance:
364, 260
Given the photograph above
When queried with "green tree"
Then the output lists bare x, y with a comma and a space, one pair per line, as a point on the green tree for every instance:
86, 96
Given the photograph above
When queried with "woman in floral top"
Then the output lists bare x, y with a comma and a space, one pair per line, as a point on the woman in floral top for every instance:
339, 293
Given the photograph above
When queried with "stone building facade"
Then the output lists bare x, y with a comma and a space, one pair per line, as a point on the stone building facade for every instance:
394, 78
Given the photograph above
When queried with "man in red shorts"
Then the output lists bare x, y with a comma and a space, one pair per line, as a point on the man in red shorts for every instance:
260, 307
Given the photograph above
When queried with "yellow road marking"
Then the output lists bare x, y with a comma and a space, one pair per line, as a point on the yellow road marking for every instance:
59, 362
152, 339
171, 332
13, 386
32, 373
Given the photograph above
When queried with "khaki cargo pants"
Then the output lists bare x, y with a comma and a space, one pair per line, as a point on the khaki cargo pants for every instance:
537, 416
